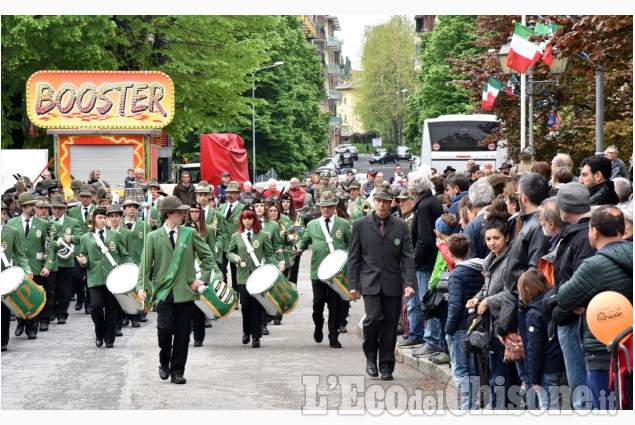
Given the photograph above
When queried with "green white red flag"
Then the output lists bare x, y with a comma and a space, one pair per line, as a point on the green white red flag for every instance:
490, 91
544, 51
521, 51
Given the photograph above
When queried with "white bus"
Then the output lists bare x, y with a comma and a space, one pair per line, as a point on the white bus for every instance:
454, 139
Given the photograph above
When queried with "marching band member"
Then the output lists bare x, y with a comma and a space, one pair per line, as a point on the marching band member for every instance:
115, 214
43, 211
139, 229
82, 213
214, 220
284, 223
197, 221
357, 205
297, 219
34, 230
173, 250
250, 232
339, 230
231, 211
13, 243
101, 251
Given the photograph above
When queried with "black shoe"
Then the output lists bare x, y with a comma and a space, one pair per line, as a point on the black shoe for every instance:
143, 318
61, 321
277, 322
99, 342
208, 323
126, 322
386, 376
3, 348
109, 345
31, 335
236, 308
245, 338
342, 330
265, 331
178, 379
371, 369
136, 324
198, 343
118, 332
44, 327
88, 309
19, 329
79, 305
318, 336
335, 344
255, 343
164, 372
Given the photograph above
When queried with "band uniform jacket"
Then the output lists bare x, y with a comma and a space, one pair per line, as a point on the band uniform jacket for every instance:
128, 242
78, 214
159, 250
231, 223
34, 243
13, 246
314, 236
263, 248
72, 228
217, 224
137, 237
97, 263
380, 263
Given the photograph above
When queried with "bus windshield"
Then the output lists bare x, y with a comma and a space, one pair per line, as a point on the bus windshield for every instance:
460, 136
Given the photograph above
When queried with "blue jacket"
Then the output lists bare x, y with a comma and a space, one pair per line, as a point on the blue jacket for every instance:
454, 208
474, 232
465, 281
541, 355
220, 193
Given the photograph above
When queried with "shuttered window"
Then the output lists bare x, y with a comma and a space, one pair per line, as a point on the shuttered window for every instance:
113, 161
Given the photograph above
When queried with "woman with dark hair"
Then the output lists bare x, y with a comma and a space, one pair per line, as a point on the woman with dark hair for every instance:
260, 241
513, 206
104, 311
490, 299
297, 219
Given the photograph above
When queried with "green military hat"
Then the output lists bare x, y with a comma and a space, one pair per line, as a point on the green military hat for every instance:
405, 194
4, 206
77, 184
325, 175
101, 192
86, 190
383, 192
203, 187
271, 200
172, 203
130, 201
27, 181
105, 183
233, 186
115, 209
48, 183
341, 193
192, 224
107, 196
258, 200
287, 196
97, 185
26, 198
154, 183
100, 211
141, 185
59, 201
20, 185
250, 207
42, 202
327, 199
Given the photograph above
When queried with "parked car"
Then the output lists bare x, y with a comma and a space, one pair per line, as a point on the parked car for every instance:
403, 152
354, 152
342, 148
346, 160
383, 157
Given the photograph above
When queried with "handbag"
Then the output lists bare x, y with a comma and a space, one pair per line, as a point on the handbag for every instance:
431, 304
444, 282
477, 338
514, 349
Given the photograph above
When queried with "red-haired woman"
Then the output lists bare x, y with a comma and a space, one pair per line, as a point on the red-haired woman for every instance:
252, 311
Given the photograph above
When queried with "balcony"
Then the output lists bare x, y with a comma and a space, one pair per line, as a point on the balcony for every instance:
320, 34
308, 28
334, 43
335, 95
334, 121
333, 68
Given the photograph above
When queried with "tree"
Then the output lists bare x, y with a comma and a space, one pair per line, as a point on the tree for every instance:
386, 61
346, 71
451, 37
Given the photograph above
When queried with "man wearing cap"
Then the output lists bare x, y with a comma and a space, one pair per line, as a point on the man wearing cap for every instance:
339, 230
505, 169
184, 190
222, 187
357, 206
76, 185
324, 186
448, 170
213, 218
526, 162
173, 249
498, 182
155, 194
34, 230
47, 185
230, 210
380, 263
13, 253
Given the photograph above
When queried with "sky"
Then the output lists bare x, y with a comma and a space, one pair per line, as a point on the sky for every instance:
352, 33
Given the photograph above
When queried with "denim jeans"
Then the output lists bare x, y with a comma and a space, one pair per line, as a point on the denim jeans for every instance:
415, 331
502, 377
463, 370
433, 332
598, 383
549, 396
575, 363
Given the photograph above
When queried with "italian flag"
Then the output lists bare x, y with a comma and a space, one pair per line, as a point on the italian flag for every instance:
490, 91
549, 31
521, 51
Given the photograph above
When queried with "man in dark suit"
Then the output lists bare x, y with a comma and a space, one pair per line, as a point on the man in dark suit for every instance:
380, 263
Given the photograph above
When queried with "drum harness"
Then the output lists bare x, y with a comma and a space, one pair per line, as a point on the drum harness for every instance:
104, 250
6, 262
250, 250
327, 236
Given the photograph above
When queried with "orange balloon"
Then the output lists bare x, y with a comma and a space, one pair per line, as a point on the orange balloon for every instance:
608, 314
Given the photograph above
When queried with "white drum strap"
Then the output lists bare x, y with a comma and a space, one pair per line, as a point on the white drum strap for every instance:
327, 236
250, 249
104, 250
5, 261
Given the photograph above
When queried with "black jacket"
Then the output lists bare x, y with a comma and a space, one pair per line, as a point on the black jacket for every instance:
465, 281
604, 194
427, 210
524, 254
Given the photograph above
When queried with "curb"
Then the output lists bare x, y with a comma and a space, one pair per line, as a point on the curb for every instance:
442, 373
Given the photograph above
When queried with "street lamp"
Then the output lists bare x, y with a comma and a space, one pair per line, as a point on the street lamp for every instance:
253, 113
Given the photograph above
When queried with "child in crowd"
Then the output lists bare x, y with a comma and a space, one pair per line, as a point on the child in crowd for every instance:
129, 182
465, 282
544, 361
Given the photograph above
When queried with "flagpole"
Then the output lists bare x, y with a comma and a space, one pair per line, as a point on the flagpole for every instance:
523, 97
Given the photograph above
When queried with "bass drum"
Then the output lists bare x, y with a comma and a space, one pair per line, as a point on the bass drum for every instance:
272, 289
122, 282
20, 293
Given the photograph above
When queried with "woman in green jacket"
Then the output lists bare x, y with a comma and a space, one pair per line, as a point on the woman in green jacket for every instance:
251, 309
104, 312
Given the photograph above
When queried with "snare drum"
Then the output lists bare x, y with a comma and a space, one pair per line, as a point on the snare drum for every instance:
122, 282
272, 289
333, 271
20, 293
218, 300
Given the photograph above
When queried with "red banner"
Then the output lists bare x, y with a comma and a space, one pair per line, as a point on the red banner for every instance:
220, 153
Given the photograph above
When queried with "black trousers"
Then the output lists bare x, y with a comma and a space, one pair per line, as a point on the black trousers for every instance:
104, 313
4, 324
380, 329
198, 324
31, 324
63, 288
292, 272
252, 312
174, 324
80, 285
323, 294
48, 312
342, 311
232, 268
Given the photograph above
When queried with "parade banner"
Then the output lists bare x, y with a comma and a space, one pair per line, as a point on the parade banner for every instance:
100, 99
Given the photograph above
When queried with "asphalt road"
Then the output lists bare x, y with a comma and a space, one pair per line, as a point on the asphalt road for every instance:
64, 370
362, 165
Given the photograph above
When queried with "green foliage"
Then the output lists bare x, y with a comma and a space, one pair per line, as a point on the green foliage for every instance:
346, 71
386, 60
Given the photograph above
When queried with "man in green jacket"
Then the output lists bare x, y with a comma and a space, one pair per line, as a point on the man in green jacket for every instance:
339, 230
610, 269
173, 249
13, 252
82, 213
231, 211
